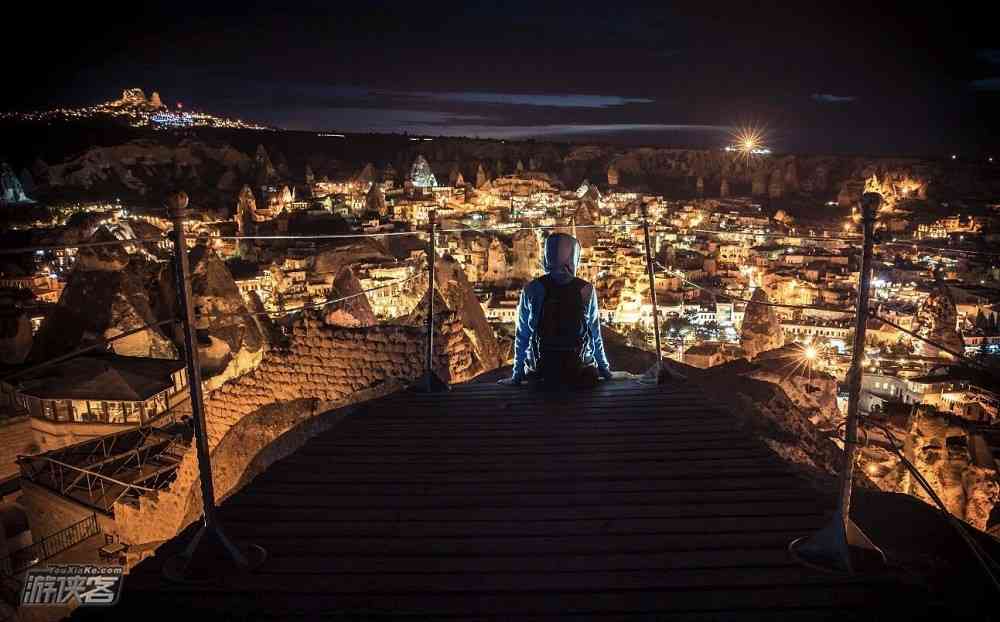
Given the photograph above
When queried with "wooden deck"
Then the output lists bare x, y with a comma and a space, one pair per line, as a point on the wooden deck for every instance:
489, 501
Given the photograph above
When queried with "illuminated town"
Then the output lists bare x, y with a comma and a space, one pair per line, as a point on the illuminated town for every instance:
303, 342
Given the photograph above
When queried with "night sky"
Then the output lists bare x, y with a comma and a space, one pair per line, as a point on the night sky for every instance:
835, 78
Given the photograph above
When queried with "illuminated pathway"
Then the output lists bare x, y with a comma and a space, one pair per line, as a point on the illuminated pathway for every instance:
488, 499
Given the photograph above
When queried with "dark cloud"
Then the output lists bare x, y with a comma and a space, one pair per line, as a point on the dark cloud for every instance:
990, 55
986, 84
827, 98
518, 64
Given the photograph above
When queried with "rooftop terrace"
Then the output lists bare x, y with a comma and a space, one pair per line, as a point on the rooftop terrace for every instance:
498, 501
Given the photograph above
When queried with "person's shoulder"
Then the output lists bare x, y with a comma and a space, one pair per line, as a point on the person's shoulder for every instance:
535, 286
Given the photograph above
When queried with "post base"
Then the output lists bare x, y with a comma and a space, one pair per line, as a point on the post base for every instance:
839, 547
660, 374
430, 382
211, 555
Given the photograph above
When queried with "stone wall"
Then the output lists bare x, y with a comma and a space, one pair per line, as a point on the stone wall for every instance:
49, 512
272, 410
15, 438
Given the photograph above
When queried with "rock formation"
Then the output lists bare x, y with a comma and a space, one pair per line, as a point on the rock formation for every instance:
455, 296
27, 181
107, 294
421, 174
527, 252
776, 187
814, 392
761, 330
375, 201
612, 176
232, 341
11, 191
481, 177
938, 445
264, 168
937, 320
585, 214
365, 176
15, 330
355, 311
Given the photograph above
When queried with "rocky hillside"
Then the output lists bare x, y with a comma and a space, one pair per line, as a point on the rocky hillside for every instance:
214, 165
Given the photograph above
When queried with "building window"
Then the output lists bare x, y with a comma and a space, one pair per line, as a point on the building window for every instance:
115, 412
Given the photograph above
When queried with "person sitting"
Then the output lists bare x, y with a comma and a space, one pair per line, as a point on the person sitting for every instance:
558, 340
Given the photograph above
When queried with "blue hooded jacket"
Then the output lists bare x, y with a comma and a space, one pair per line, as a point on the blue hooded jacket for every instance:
562, 257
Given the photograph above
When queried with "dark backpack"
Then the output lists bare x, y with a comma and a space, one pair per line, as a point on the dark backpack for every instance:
561, 324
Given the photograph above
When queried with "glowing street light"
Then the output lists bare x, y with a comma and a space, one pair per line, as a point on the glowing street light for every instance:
810, 353
748, 142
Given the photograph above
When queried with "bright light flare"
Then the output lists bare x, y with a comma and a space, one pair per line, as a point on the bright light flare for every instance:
810, 353
748, 142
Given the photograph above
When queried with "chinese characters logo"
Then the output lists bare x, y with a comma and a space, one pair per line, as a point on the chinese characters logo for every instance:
98, 586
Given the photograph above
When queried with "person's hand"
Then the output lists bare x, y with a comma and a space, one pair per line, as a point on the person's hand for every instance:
606, 373
513, 381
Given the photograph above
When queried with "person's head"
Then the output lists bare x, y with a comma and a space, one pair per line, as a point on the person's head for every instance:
562, 255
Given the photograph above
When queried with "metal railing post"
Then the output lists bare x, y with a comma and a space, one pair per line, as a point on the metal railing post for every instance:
652, 294
431, 382
177, 568
431, 257
832, 547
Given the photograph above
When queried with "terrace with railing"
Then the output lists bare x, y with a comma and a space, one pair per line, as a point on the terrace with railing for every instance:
400, 493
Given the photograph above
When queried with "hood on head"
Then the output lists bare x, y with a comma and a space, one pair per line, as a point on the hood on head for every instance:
562, 256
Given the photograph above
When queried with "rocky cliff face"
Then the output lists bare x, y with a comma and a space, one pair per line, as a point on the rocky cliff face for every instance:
767, 410
814, 392
938, 445
761, 329
143, 169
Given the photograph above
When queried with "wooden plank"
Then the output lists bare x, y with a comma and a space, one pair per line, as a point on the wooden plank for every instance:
356, 545
405, 528
390, 582
498, 562
846, 602
402, 497
351, 446
470, 513
607, 452
569, 429
514, 461
294, 472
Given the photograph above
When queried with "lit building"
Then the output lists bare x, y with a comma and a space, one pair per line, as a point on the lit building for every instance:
93, 395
